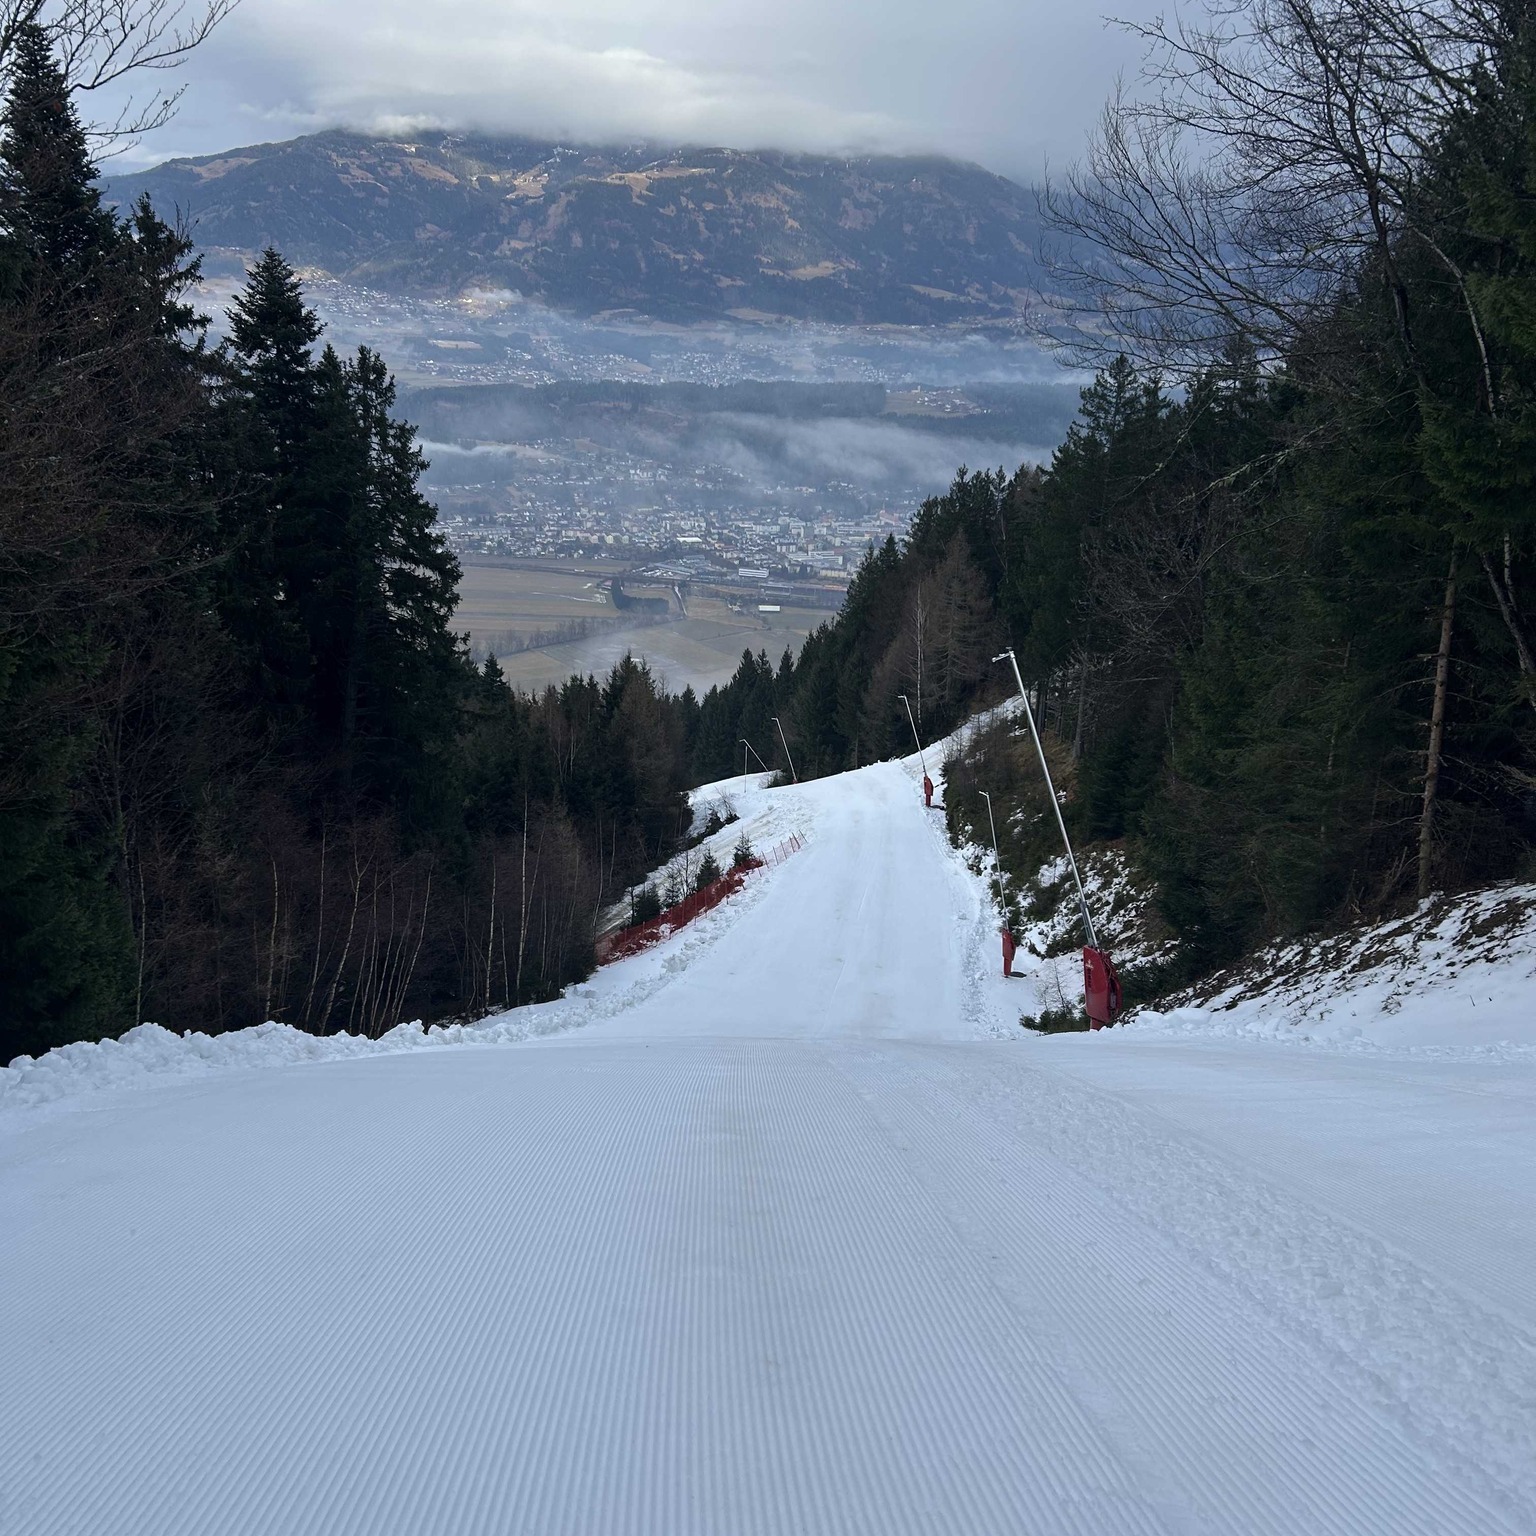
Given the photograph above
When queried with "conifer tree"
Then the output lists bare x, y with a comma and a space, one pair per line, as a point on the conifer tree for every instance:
412, 677
95, 387
269, 419
50, 206
272, 334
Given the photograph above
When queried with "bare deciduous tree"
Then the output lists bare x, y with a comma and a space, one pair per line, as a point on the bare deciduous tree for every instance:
1276, 159
1272, 154
101, 42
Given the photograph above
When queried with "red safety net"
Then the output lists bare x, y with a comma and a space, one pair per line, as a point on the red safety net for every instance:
631, 940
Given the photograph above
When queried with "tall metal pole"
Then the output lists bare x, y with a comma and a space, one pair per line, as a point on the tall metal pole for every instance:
795, 776
997, 857
915, 737
746, 746
1066, 842
1010, 945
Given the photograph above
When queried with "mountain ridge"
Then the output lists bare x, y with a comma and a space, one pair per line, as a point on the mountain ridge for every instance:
678, 234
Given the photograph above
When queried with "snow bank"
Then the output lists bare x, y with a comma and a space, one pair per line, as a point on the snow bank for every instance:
1456, 977
151, 1052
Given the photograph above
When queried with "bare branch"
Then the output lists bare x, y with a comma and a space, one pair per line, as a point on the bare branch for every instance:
1272, 155
101, 42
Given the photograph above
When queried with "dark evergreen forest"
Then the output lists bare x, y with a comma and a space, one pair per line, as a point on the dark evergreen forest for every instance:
1273, 595
247, 771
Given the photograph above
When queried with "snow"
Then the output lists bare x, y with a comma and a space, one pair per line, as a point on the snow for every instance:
1455, 978
785, 1226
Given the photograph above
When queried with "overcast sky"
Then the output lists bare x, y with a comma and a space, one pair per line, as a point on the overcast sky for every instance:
1009, 83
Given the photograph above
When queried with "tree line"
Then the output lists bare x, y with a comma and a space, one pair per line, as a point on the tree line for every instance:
247, 769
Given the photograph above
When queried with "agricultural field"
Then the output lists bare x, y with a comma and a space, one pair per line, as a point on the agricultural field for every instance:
505, 606
545, 619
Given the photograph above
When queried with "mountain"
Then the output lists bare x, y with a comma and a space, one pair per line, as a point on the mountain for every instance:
677, 234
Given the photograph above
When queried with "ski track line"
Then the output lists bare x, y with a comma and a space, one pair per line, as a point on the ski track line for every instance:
188, 1400
1371, 1321
984, 1400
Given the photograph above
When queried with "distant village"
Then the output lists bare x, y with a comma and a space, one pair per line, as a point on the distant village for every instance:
748, 543
564, 497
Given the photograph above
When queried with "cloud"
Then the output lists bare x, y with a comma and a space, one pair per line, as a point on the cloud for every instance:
1007, 82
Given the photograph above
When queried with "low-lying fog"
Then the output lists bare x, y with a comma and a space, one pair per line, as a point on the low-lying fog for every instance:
762, 453
516, 400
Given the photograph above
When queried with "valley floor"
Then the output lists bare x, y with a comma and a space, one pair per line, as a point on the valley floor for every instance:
783, 1227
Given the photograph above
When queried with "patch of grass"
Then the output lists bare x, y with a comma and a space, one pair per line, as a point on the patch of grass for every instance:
1045, 897
1064, 943
720, 817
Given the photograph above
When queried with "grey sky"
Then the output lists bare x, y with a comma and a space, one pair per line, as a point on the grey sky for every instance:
1009, 83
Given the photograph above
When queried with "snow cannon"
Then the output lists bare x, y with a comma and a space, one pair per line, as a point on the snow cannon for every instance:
927, 791
1010, 947
1101, 987
1101, 984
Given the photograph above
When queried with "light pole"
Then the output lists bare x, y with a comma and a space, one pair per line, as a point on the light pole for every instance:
915, 737
795, 776
991, 822
746, 746
1066, 842
997, 857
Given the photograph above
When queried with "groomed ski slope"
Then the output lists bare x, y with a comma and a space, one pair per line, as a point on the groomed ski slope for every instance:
785, 1228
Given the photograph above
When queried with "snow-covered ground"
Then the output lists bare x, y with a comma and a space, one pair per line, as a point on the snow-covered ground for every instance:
782, 1226
1452, 979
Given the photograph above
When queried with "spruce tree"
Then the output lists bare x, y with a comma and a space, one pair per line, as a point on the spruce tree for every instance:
268, 420
403, 666
50, 206
272, 335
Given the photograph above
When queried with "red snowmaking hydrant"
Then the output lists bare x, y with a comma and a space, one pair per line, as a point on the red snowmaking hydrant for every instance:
1010, 947
1101, 988
927, 791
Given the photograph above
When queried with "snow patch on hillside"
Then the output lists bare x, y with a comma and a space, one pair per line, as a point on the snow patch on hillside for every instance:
1457, 976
